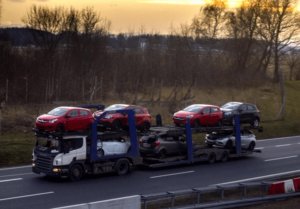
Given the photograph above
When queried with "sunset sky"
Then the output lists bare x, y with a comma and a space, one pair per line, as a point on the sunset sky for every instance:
125, 15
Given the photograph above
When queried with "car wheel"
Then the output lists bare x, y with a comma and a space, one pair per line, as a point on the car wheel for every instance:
211, 158
116, 125
177, 124
100, 152
219, 123
229, 144
60, 129
145, 127
224, 156
251, 146
75, 173
255, 123
122, 167
196, 123
162, 154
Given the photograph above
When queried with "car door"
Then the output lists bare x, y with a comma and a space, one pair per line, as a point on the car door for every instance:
139, 115
250, 110
83, 119
72, 122
109, 147
214, 115
243, 112
171, 145
205, 116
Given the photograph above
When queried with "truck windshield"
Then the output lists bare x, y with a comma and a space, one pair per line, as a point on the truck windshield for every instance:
50, 145
58, 112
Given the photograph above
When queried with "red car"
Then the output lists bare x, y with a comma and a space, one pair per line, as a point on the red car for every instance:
199, 114
63, 119
117, 121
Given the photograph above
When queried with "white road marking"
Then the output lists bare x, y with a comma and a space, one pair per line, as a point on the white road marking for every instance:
283, 145
259, 147
260, 177
280, 138
30, 195
17, 174
172, 174
71, 206
10, 180
3, 169
281, 158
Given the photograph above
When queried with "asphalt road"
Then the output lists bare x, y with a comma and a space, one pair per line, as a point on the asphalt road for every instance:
20, 188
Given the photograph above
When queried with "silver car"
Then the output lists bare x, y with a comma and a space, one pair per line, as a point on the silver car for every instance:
227, 139
162, 145
112, 147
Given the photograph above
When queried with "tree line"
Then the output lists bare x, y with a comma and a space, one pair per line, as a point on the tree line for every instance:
74, 57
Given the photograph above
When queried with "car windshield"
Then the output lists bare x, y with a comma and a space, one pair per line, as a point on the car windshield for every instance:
193, 108
115, 107
230, 106
58, 111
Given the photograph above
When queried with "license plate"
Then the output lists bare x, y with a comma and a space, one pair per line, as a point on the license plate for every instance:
146, 145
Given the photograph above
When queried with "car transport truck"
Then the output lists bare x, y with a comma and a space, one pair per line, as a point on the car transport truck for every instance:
75, 154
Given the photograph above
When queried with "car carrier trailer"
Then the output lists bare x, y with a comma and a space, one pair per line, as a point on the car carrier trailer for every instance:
74, 154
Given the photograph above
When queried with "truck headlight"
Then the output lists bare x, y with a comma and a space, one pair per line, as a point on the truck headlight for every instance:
33, 164
52, 121
56, 170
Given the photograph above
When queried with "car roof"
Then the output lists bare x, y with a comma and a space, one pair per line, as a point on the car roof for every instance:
70, 108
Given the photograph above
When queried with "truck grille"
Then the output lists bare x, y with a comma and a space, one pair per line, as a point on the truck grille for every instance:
44, 163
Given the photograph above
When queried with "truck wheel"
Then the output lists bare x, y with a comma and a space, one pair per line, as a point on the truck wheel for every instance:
75, 173
60, 129
211, 157
224, 156
122, 167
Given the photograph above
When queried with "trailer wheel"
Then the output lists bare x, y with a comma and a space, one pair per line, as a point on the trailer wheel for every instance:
224, 156
122, 167
211, 157
75, 173
251, 146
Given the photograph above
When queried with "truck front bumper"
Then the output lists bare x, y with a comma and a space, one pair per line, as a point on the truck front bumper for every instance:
54, 172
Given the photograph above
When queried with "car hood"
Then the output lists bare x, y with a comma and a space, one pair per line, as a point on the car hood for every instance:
184, 113
48, 117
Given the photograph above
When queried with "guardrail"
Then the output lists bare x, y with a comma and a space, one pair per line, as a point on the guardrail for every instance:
200, 190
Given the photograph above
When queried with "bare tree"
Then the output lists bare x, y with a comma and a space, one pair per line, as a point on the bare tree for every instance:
292, 60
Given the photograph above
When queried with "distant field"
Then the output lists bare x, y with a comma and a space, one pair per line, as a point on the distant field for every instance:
17, 141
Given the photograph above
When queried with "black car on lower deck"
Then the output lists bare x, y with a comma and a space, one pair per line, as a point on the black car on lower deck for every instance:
247, 112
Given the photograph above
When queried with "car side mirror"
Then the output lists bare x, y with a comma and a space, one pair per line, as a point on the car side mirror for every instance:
66, 149
240, 110
201, 113
67, 116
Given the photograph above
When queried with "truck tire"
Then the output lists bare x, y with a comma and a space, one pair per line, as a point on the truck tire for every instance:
224, 156
211, 158
75, 173
122, 167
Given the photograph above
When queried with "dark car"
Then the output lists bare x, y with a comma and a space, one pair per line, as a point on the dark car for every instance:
248, 113
162, 145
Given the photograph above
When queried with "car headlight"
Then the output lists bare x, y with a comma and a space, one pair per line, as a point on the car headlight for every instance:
52, 121
108, 116
189, 116
227, 113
